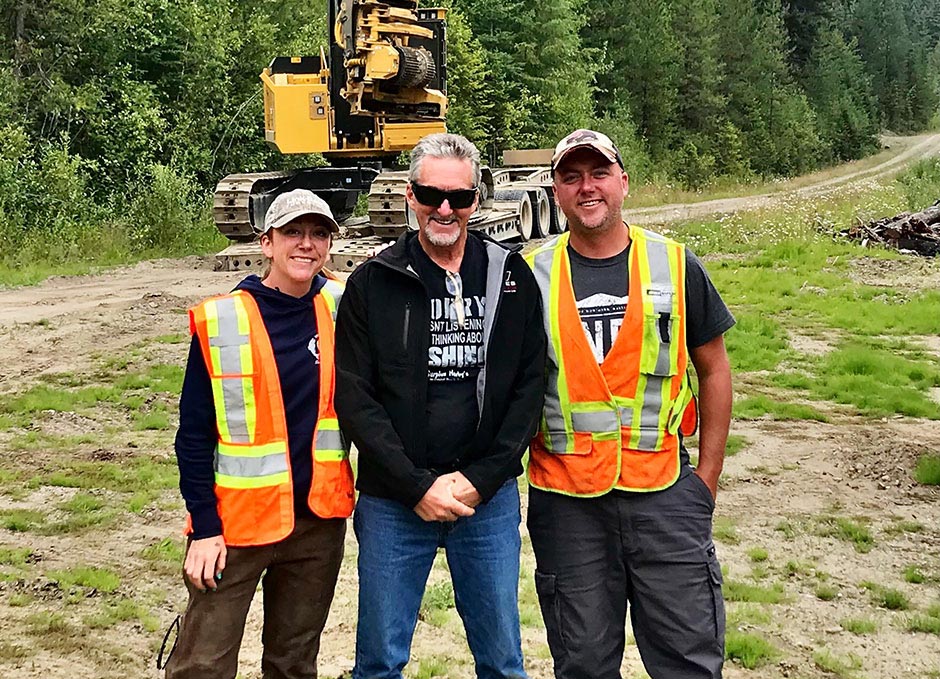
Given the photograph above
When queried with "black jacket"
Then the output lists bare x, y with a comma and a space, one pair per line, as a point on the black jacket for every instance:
382, 339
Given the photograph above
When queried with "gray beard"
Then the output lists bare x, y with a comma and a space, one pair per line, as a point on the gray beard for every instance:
439, 240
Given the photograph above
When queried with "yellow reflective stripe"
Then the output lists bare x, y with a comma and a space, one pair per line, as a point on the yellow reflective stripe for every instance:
328, 441
212, 318
564, 401
277, 447
240, 482
221, 421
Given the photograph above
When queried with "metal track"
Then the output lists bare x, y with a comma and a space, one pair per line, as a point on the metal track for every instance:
230, 204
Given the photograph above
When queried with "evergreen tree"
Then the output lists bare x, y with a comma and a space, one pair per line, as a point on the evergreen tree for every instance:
640, 65
840, 93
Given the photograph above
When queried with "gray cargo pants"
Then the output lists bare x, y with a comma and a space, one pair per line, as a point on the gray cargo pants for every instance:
653, 550
299, 579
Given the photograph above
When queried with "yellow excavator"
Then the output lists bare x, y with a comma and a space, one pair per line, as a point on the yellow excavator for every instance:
381, 87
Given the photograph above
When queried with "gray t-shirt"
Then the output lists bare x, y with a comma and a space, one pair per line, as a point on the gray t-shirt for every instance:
601, 289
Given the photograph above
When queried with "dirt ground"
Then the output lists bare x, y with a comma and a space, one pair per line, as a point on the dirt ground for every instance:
777, 494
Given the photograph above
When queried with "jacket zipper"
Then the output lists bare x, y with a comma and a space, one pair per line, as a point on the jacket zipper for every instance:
404, 332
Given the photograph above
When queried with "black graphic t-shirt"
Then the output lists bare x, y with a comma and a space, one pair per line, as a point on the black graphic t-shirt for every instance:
455, 354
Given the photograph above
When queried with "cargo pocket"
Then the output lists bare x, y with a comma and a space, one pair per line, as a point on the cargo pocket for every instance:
716, 580
546, 587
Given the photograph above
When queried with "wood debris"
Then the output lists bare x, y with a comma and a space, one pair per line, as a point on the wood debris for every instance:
915, 233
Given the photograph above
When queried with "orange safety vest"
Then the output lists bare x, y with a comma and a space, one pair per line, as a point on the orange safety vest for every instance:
614, 425
255, 495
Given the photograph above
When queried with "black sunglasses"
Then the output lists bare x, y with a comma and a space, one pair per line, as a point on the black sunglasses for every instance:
434, 197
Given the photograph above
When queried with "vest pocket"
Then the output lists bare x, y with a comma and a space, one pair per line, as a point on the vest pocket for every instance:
659, 332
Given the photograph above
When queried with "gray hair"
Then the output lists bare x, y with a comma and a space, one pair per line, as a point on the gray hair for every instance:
445, 145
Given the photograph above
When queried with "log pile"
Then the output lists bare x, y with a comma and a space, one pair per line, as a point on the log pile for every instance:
917, 233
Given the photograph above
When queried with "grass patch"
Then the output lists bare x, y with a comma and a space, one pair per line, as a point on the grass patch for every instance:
135, 475
429, 668
11, 652
740, 614
887, 597
904, 526
757, 554
21, 520
89, 577
754, 407
757, 342
826, 592
736, 443
750, 650
167, 554
735, 590
724, 530
436, 604
848, 530
839, 665
15, 556
914, 575
927, 471
928, 624
859, 625
877, 381
787, 528
113, 612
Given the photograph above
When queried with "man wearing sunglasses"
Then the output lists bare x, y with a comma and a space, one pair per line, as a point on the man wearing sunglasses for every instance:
440, 379
617, 514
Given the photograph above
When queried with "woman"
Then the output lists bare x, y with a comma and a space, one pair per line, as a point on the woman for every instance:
263, 467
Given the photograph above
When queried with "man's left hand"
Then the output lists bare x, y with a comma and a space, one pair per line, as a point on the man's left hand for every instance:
463, 490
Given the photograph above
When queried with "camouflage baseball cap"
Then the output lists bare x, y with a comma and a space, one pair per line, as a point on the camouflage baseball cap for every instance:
587, 139
293, 204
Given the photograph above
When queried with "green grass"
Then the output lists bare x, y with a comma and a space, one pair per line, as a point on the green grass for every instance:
135, 475
754, 407
859, 625
724, 530
887, 597
735, 590
122, 610
787, 528
904, 526
826, 592
21, 520
927, 624
736, 443
430, 668
848, 530
89, 577
839, 665
757, 554
15, 556
437, 602
750, 650
741, 614
914, 575
927, 471
756, 342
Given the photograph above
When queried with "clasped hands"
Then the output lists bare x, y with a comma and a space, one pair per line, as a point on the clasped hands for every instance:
449, 497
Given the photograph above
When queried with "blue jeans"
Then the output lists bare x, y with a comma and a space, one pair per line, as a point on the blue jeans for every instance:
396, 552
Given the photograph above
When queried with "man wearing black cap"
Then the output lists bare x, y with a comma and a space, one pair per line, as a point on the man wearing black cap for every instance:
617, 514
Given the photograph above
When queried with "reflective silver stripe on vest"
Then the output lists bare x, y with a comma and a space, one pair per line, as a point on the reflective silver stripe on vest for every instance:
661, 279
229, 342
554, 418
249, 467
597, 422
328, 439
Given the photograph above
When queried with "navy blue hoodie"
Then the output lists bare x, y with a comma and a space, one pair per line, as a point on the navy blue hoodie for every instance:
292, 327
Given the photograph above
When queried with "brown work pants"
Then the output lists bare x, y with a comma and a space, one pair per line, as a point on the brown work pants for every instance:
299, 577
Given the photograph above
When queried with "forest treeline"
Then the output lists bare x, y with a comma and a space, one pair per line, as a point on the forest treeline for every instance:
118, 117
